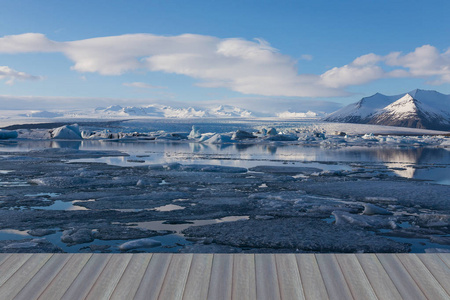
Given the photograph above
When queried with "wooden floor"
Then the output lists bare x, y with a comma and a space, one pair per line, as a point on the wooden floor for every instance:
224, 276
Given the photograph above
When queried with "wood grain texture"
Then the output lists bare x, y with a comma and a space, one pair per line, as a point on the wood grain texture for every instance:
244, 277
43, 277
438, 268
379, 280
333, 278
197, 284
23, 275
289, 277
106, 282
355, 277
154, 276
267, 286
3, 257
64, 279
83, 283
131, 279
312, 281
431, 288
176, 277
404, 283
220, 284
11, 265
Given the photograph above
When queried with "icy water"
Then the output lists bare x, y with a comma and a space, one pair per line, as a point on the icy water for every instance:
93, 196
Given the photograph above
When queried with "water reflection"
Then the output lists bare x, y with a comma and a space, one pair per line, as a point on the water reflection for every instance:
410, 162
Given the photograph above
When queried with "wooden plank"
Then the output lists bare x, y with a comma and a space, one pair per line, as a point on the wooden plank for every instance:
3, 257
131, 278
312, 282
11, 265
197, 284
333, 278
221, 277
423, 278
266, 277
406, 286
176, 277
445, 258
59, 285
23, 275
83, 283
439, 269
355, 277
379, 280
244, 277
289, 277
106, 282
154, 277
43, 278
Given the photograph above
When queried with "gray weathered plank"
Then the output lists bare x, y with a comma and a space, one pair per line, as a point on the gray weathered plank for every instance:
312, 282
439, 269
131, 279
197, 284
267, 286
332, 277
221, 277
176, 277
289, 277
83, 283
23, 275
423, 278
154, 277
406, 286
379, 280
59, 285
3, 257
43, 277
11, 265
244, 277
445, 258
106, 282
355, 277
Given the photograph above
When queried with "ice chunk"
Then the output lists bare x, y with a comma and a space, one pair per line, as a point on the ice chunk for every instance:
67, 132
370, 209
141, 243
285, 170
194, 134
8, 134
218, 139
242, 135
272, 131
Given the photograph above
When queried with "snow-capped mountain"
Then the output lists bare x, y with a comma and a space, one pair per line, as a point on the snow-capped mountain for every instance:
415, 109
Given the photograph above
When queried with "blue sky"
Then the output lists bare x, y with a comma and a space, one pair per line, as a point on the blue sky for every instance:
308, 53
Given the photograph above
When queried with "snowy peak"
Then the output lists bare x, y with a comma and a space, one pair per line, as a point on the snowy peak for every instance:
404, 105
417, 109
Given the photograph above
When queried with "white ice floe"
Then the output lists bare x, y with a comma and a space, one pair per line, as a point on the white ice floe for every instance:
67, 132
141, 243
370, 209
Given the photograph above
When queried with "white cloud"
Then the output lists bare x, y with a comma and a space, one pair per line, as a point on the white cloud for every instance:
142, 85
248, 67
308, 57
12, 75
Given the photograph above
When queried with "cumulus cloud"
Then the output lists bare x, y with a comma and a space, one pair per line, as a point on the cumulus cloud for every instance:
12, 75
248, 67
424, 62
143, 85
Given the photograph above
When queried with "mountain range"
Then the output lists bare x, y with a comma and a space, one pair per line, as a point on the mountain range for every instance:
415, 109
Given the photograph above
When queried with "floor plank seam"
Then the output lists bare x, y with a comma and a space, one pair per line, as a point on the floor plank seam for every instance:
345, 278
56, 276
165, 276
